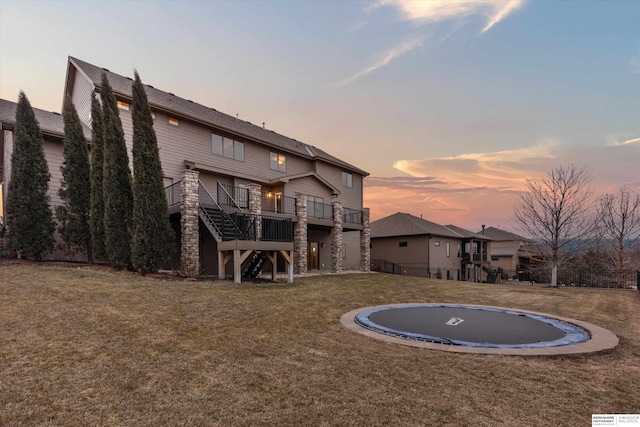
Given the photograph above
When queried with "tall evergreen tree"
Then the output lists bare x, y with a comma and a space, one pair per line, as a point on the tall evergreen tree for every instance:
152, 238
75, 189
118, 199
29, 219
97, 166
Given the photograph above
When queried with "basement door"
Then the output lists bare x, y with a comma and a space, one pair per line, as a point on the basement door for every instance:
313, 256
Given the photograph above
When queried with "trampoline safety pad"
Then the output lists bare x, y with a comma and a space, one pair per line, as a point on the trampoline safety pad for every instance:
479, 329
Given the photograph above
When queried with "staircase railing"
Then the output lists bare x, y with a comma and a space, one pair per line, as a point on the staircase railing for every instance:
204, 198
229, 196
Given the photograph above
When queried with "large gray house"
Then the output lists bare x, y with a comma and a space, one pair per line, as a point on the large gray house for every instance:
243, 199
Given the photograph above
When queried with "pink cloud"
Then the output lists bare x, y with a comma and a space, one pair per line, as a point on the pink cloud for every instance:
479, 188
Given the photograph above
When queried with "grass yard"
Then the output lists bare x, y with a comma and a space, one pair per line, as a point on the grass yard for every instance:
90, 346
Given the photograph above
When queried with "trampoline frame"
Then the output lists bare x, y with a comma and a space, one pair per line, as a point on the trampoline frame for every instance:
602, 340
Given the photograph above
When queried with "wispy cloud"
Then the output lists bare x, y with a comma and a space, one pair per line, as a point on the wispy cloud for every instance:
357, 26
626, 142
395, 52
441, 10
432, 11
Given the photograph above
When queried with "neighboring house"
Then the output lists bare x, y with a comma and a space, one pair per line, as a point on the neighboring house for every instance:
513, 253
242, 198
52, 128
428, 249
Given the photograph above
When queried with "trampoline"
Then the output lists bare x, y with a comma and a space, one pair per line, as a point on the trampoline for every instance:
479, 329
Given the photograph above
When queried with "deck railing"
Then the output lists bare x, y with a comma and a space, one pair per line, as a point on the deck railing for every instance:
319, 210
277, 203
274, 229
352, 216
172, 193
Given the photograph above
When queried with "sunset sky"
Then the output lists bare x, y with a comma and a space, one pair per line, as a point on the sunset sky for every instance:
448, 105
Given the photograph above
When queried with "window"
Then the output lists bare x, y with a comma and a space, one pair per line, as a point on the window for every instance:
344, 251
238, 150
347, 179
448, 252
227, 147
123, 105
403, 244
436, 243
174, 122
278, 162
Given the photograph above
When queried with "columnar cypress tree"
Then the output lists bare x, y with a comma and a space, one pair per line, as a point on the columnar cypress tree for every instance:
29, 220
152, 237
118, 199
97, 166
75, 189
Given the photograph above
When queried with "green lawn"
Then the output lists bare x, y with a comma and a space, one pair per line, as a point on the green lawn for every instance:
89, 346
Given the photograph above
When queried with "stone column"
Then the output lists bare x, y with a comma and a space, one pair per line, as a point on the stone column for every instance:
300, 236
255, 206
190, 241
365, 242
336, 239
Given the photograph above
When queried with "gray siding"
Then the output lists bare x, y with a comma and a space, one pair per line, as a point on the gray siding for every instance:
192, 142
81, 97
308, 185
7, 150
350, 197
54, 155
351, 260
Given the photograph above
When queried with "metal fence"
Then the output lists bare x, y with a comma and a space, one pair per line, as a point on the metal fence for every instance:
578, 278
383, 266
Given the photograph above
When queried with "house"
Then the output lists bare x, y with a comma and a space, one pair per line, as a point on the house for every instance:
243, 199
428, 249
514, 254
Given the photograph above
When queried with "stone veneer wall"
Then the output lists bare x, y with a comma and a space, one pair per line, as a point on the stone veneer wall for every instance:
255, 206
300, 236
365, 241
189, 206
336, 239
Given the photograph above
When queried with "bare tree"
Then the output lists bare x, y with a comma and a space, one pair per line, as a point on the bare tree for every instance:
618, 220
556, 212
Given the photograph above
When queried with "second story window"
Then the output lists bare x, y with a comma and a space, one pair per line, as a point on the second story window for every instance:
123, 105
347, 179
278, 162
227, 147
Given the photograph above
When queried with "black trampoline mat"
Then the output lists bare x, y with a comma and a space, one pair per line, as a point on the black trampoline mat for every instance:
467, 324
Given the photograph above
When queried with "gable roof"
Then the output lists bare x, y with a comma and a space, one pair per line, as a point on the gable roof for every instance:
198, 113
51, 124
466, 233
404, 224
502, 235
